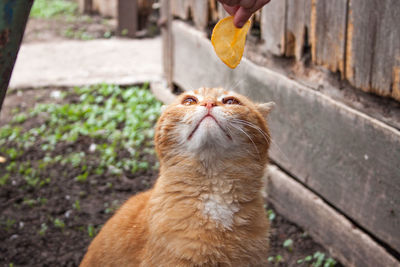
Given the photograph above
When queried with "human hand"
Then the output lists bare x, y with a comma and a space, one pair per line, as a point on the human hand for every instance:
242, 9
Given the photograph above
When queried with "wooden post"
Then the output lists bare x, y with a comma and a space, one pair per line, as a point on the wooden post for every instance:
127, 17
13, 17
166, 31
273, 27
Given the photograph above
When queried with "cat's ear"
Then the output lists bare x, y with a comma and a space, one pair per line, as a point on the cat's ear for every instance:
265, 108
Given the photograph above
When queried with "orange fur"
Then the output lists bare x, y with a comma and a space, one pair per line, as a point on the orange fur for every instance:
206, 208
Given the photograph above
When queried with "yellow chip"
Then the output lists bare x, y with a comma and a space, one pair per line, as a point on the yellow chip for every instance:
228, 41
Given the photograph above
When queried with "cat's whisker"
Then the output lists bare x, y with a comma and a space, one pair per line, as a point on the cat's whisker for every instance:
266, 136
255, 147
280, 151
229, 130
236, 85
239, 82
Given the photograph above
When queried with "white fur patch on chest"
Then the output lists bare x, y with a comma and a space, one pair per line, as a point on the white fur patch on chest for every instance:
220, 208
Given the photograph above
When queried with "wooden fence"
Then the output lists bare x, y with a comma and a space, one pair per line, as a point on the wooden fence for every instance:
358, 38
340, 160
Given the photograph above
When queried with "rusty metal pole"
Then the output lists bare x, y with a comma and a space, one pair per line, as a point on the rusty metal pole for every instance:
13, 17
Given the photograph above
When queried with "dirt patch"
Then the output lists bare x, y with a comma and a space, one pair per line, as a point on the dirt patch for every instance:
53, 222
61, 28
82, 27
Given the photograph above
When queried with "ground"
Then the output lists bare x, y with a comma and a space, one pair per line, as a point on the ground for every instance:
69, 157
84, 28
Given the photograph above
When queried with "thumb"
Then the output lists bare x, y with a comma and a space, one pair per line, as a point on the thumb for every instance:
242, 15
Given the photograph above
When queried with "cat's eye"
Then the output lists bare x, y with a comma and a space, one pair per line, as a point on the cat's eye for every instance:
230, 101
187, 101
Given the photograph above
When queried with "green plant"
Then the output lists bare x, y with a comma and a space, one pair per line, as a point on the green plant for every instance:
107, 34
117, 121
318, 260
329, 262
59, 223
19, 118
275, 259
306, 259
77, 205
82, 177
80, 34
91, 230
7, 224
13, 153
52, 8
288, 244
43, 229
29, 202
4, 179
124, 32
111, 208
271, 215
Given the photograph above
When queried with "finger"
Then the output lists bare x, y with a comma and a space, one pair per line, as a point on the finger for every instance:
230, 2
231, 9
247, 4
242, 15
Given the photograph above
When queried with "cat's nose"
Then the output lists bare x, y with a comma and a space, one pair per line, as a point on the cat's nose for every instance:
209, 104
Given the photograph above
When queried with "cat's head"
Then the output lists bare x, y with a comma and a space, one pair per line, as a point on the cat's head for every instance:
212, 123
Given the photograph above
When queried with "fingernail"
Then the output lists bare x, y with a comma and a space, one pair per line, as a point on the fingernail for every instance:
239, 24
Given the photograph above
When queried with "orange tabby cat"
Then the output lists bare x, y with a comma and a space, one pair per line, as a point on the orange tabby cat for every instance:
206, 208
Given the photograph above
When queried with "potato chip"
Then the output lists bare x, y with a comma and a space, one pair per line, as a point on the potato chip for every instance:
228, 41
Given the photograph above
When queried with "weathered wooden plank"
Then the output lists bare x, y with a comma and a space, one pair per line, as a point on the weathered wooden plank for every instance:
144, 9
387, 49
221, 11
213, 10
298, 15
396, 83
180, 8
373, 45
161, 91
85, 6
350, 159
328, 33
273, 27
199, 11
107, 8
257, 17
345, 241
127, 17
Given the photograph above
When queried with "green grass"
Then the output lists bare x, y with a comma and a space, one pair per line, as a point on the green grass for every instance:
317, 260
80, 34
53, 8
117, 121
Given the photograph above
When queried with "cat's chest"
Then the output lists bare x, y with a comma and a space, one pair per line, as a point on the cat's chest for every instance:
220, 204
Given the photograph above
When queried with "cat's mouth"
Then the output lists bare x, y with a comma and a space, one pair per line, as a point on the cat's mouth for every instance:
212, 117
